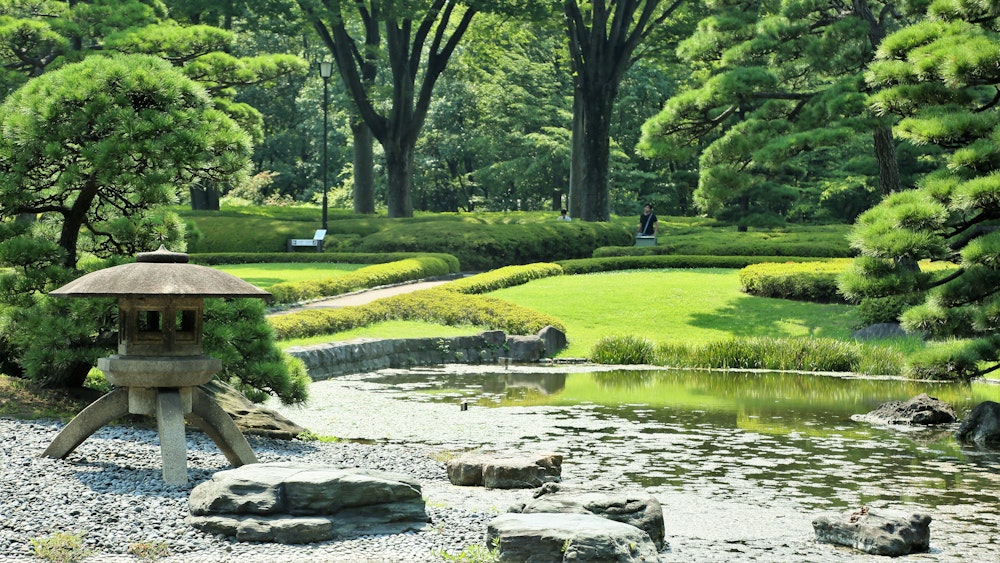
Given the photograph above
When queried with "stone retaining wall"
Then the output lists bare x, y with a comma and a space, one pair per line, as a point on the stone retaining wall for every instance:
324, 361
363, 355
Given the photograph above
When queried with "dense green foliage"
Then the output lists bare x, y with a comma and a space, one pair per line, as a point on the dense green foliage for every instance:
507, 276
98, 146
480, 241
480, 246
614, 263
775, 111
939, 78
798, 354
237, 333
222, 258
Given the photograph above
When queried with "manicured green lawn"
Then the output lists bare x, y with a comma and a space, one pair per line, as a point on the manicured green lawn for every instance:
692, 306
266, 275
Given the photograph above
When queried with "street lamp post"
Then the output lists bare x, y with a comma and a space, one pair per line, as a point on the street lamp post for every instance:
325, 70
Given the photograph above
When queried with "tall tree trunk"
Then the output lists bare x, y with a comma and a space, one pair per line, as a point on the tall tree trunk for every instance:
603, 37
596, 154
364, 168
74, 219
204, 197
414, 47
399, 166
885, 145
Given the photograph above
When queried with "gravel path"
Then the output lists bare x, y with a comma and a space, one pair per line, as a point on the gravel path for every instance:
109, 491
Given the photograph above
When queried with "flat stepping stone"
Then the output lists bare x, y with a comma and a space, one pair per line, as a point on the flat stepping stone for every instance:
304, 503
500, 471
876, 534
566, 538
636, 508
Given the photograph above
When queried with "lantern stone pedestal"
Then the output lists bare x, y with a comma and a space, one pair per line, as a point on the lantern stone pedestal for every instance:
160, 363
166, 388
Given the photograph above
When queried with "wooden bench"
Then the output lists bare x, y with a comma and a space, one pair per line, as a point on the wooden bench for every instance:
316, 241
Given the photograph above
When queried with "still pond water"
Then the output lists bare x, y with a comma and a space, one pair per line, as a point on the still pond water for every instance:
771, 438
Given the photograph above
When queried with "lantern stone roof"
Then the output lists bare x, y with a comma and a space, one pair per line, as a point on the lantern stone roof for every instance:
160, 273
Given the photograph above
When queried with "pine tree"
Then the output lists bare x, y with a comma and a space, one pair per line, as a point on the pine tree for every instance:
941, 79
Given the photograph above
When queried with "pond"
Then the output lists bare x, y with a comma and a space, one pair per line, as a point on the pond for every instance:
747, 443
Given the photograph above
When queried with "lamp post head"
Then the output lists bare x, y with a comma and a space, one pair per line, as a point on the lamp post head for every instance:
325, 69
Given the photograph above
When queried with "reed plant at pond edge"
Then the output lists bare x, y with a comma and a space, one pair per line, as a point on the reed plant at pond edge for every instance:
767, 353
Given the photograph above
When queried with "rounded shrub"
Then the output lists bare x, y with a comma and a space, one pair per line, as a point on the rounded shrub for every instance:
805, 281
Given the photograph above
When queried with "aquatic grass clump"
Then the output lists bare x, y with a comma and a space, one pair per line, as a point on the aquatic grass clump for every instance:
624, 350
808, 354
767, 353
61, 547
675, 354
948, 360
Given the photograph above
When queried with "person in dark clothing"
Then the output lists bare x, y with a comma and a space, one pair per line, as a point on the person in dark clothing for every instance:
648, 225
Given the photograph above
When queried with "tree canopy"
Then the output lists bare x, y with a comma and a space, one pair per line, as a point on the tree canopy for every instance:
939, 77
97, 145
774, 82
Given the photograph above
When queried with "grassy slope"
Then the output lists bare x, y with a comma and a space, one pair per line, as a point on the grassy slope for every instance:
694, 306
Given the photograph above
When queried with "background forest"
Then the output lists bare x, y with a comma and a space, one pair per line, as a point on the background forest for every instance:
751, 112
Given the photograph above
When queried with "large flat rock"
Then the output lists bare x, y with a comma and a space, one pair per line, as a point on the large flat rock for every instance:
301, 503
566, 538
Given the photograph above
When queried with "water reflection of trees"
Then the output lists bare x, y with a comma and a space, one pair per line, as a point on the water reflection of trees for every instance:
526, 383
749, 388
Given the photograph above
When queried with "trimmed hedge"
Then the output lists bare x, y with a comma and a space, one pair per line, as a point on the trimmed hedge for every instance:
481, 246
828, 241
508, 276
804, 281
370, 276
590, 265
219, 258
433, 305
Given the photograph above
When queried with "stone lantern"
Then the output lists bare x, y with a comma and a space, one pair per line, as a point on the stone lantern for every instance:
159, 363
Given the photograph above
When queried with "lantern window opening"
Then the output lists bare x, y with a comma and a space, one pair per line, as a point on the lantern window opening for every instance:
149, 324
186, 325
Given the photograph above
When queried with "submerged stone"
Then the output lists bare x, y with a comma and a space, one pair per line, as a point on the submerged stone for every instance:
871, 533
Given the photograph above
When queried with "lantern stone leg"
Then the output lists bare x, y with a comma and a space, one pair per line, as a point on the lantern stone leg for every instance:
213, 420
91, 419
173, 441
